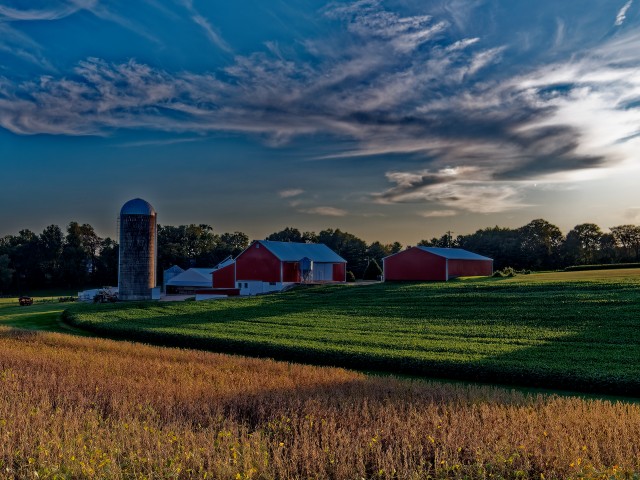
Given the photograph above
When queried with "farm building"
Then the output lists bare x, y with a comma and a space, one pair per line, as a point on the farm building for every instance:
138, 251
435, 264
169, 274
267, 266
189, 281
224, 274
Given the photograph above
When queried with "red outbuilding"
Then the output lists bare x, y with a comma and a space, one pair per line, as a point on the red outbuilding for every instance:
435, 264
224, 274
268, 266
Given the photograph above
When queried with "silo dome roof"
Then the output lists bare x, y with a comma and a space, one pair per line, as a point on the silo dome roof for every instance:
137, 206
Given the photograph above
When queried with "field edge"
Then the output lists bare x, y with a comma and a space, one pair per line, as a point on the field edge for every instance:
442, 370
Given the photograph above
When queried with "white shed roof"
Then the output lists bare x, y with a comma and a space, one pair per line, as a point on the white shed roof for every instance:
227, 261
294, 251
194, 277
454, 253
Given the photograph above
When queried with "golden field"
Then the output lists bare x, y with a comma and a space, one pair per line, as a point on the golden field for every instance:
74, 407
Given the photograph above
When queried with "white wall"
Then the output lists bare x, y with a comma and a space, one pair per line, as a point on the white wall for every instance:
322, 272
256, 287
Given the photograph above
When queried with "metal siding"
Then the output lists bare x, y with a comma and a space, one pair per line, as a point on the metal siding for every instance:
294, 251
225, 277
415, 265
257, 263
290, 272
137, 258
339, 272
199, 277
470, 268
453, 253
322, 272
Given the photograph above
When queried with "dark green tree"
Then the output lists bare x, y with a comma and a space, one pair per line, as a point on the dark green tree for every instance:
582, 244
289, 234
77, 264
230, 244
377, 250
107, 263
51, 244
445, 241
310, 237
373, 271
186, 246
607, 249
24, 253
627, 237
6, 273
501, 244
348, 246
540, 243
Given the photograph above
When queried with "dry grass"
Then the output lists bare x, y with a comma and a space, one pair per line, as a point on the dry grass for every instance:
75, 407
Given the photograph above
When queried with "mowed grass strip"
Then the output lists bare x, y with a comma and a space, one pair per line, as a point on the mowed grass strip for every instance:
575, 330
73, 407
44, 314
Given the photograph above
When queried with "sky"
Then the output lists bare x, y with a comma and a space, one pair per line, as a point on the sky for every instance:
394, 120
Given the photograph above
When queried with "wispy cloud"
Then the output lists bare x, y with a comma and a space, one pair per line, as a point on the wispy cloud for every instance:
21, 46
204, 24
159, 143
386, 84
622, 14
325, 211
29, 50
367, 19
484, 59
460, 188
294, 192
439, 214
56, 11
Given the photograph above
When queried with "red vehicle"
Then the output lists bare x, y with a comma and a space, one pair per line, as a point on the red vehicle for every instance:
25, 301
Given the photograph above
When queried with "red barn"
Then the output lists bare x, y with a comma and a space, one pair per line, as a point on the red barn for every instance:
437, 264
267, 266
224, 274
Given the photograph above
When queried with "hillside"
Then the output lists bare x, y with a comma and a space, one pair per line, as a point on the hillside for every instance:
74, 407
575, 330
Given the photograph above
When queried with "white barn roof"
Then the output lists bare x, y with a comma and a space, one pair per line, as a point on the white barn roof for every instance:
293, 251
194, 277
174, 269
227, 261
454, 253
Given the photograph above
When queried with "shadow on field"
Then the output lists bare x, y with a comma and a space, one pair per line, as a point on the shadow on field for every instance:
582, 362
579, 336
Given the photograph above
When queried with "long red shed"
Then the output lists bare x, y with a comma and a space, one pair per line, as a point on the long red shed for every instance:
268, 266
435, 264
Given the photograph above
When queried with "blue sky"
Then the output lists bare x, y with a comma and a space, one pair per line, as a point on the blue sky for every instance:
395, 120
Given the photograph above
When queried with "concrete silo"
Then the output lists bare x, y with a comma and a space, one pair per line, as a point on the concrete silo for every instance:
138, 251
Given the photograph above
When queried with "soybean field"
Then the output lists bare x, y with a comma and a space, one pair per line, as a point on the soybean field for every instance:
577, 330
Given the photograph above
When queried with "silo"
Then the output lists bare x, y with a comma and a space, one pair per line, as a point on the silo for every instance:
138, 252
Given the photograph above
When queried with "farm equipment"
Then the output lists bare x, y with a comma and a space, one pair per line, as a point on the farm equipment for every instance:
25, 301
105, 295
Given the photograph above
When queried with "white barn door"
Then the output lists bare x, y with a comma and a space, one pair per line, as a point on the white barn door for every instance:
322, 272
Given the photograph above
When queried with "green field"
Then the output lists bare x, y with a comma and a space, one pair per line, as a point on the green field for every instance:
45, 314
577, 330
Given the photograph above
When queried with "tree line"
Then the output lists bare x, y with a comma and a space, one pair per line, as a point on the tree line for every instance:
78, 257
57, 259
540, 245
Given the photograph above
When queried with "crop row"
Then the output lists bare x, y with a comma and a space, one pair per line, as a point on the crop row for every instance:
579, 335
